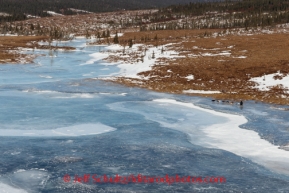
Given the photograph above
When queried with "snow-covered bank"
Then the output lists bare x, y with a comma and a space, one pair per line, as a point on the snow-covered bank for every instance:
96, 57
138, 58
153, 54
230, 137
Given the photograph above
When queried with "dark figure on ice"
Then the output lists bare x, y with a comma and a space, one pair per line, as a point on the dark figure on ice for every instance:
241, 103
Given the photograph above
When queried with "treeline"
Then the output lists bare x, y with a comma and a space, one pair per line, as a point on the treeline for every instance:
249, 6
225, 14
207, 15
19, 9
13, 17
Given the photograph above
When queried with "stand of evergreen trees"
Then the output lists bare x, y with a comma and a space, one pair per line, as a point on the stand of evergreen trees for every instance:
225, 14
18, 8
218, 15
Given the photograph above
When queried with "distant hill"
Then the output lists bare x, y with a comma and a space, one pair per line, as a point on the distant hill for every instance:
19, 9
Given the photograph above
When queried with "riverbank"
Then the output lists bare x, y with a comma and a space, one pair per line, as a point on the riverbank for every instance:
226, 65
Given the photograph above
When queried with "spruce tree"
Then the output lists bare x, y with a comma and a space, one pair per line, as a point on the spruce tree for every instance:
115, 39
130, 43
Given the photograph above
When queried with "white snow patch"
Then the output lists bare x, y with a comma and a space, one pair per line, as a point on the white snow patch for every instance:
32, 16
193, 55
267, 81
8, 35
54, 13
79, 10
241, 57
5, 14
224, 53
115, 47
190, 77
95, 57
201, 91
118, 34
131, 69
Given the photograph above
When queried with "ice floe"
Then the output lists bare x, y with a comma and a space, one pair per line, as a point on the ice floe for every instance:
4, 188
29, 180
75, 130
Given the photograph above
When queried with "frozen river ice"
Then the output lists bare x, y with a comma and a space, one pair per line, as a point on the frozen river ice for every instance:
55, 120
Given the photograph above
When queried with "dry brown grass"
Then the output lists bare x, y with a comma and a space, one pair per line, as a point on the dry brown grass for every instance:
265, 54
9, 46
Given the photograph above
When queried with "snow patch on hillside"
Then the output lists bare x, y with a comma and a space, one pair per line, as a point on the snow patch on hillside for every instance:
79, 10
5, 14
53, 13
